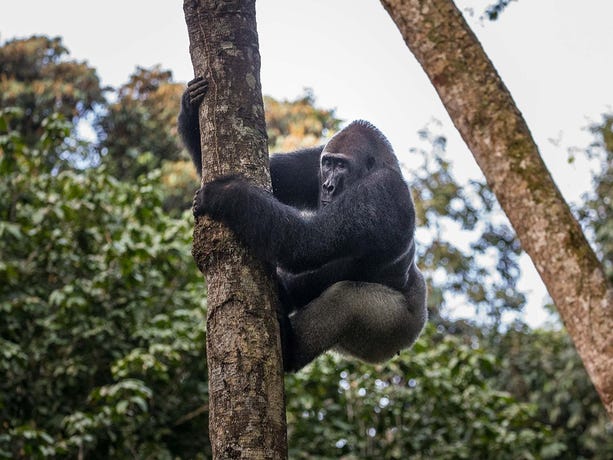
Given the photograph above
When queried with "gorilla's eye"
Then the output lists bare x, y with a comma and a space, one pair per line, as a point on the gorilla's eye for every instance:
326, 162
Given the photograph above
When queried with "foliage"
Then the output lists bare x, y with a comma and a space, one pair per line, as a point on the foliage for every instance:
459, 269
138, 132
435, 401
542, 367
494, 10
102, 315
297, 124
36, 76
597, 214
102, 310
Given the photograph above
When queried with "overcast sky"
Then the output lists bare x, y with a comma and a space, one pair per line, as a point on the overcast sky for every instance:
553, 55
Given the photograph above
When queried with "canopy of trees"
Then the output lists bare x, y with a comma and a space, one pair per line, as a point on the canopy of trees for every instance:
102, 317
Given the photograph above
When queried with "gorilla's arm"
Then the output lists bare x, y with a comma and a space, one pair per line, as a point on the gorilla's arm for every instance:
303, 287
188, 122
295, 177
376, 218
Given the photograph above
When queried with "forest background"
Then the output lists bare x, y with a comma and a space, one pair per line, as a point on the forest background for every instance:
102, 315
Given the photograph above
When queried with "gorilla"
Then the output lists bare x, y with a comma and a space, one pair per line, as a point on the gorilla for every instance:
339, 231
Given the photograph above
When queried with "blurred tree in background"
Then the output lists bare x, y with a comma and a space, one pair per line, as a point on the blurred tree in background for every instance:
292, 125
460, 270
543, 368
434, 401
597, 214
102, 316
101, 312
37, 78
138, 132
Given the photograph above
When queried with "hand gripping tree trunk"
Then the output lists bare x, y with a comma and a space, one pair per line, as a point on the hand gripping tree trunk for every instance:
488, 120
247, 412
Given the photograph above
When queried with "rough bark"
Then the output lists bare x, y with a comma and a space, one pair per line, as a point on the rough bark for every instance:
483, 111
246, 399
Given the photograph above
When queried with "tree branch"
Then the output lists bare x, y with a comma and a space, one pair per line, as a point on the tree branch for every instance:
483, 111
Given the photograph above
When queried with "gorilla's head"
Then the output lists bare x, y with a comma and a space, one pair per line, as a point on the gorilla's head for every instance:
352, 154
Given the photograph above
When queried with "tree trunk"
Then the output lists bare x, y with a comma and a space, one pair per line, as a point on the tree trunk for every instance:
246, 399
490, 123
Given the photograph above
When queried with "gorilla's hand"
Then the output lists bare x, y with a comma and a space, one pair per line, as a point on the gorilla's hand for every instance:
215, 196
198, 203
194, 94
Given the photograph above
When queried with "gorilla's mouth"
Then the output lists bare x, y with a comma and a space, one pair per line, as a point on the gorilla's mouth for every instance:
325, 202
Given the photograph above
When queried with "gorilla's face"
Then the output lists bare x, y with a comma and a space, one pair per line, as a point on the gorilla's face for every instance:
352, 154
337, 173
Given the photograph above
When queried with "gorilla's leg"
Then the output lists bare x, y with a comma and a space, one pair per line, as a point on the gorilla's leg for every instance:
367, 320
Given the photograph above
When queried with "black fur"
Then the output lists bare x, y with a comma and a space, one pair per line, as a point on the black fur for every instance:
346, 269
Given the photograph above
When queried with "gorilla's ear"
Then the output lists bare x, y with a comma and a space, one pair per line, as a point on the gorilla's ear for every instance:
370, 162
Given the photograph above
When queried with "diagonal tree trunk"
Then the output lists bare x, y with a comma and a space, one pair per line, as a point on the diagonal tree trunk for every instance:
490, 123
247, 411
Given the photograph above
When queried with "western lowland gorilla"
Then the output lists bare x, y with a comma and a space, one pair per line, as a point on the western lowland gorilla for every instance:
339, 229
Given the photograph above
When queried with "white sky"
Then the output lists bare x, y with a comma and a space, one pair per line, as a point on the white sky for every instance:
553, 55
